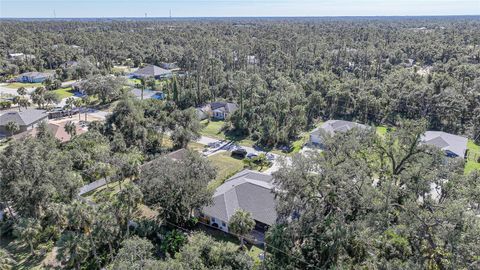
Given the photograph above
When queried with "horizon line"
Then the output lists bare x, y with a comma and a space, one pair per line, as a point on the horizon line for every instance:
240, 17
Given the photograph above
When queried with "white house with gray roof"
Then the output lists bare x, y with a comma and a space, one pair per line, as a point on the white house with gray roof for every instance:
247, 190
331, 127
26, 119
452, 145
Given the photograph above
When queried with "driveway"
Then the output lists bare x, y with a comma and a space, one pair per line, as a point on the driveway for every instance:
231, 145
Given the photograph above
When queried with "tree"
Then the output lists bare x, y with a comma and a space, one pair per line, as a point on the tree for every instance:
203, 252
69, 103
185, 127
173, 241
28, 230
12, 127
241, 223
51, 98
73, 249
107, 88
136, 253
31, 178
22, 91
78, 102
6, 261
71, 128
38, 96
177, 187
126, 204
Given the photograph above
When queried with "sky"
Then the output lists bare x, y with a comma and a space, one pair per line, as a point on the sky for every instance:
233, 8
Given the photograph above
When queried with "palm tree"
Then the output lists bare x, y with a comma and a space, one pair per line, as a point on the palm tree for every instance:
28, 230
73, 249
6, 261
86, 101
22, 91
78, 103
38, 96
241, 223
71, 129
12, 127
69, 105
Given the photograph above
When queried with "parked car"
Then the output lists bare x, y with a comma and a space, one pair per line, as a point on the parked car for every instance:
270, 157
214, 144
239, 153
252, 155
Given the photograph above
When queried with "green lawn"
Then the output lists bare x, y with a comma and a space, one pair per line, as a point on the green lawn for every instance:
196, 146
473, 156
17, 85
226, 167
212, 129
111, 189
64, 92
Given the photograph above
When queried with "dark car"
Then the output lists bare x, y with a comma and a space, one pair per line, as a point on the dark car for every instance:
239, 153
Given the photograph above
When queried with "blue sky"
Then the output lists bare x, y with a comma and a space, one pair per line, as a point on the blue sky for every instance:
232, 8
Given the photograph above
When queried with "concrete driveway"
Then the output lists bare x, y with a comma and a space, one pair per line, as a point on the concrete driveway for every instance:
230, 146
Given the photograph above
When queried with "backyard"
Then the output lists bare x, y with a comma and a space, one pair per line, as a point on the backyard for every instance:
473, 158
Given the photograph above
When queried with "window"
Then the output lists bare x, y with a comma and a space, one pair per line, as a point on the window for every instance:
223, 224
213, 219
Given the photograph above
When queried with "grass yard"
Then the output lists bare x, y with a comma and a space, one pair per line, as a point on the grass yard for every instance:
473, 157
111, 189
196, 146
212, 129
64, 92
226, 167
17, 85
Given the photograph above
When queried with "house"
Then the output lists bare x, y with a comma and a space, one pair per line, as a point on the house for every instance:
252, 60
26, 119
170, 66
248, 190
452, 145
33, 77
147, 94
331, 127
56, 129
151, 71
216, 110
20, 56
69, 64
204, 112
221, 110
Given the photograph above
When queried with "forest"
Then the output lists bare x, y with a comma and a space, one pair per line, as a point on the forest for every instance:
367, 201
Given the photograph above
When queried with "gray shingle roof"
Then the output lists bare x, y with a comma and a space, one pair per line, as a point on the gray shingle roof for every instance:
23, 118
151, 71
446, 142
224, 106
247, 190
333, 126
